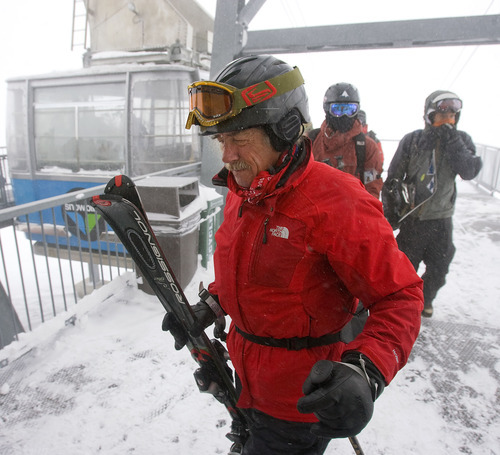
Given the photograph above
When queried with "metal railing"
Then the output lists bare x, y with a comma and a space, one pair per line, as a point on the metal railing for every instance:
489, 176
45, 267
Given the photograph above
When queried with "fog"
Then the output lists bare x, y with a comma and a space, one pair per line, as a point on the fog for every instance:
35, 38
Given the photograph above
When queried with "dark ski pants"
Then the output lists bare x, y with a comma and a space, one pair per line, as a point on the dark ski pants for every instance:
430, 241
271, 436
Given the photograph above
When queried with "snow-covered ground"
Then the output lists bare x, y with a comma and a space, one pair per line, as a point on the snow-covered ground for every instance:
112, 383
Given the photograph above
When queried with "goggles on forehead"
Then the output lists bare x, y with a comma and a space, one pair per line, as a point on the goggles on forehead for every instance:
449, 105
214, 102
340, 109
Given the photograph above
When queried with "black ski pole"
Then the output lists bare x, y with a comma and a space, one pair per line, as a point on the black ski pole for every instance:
355, 445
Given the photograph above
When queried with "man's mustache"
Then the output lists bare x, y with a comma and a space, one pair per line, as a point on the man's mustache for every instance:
237, 166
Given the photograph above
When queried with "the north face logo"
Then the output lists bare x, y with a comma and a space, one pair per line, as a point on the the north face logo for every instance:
280, 231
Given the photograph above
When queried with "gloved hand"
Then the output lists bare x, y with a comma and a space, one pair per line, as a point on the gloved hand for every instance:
447, 133
395, 200
171, 324
341, 396
204, 317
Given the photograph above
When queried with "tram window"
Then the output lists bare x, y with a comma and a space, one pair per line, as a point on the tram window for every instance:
17, 144
84, 93
159, 138
80, 128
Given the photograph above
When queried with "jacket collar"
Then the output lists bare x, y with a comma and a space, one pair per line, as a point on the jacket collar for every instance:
266, 183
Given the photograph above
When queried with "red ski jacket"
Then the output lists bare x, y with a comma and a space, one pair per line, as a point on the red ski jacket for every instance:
340, 149
293, 264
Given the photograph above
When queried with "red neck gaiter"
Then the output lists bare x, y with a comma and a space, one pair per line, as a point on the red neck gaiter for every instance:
263, 184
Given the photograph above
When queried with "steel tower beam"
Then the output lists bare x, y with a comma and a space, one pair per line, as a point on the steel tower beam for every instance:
232, 38
455, 31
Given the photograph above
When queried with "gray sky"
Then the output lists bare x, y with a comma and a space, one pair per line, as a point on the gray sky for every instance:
35, 37
393, 84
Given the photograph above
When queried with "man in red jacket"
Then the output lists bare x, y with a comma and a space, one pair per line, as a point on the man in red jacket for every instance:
300, 244
341, 141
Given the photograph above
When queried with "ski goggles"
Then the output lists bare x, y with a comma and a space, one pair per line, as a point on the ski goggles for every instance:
449, 105
213, 102
340, 109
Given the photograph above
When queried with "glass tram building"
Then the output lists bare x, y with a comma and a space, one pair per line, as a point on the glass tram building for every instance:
77, 129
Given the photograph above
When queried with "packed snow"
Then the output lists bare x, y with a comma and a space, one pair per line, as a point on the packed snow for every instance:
112, 382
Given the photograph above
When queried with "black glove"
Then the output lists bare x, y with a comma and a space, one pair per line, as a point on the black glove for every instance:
395, 200
448, 134
171, 324
203, 317
341, 396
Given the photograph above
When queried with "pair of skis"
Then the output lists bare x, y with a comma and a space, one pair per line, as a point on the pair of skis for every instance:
122, 208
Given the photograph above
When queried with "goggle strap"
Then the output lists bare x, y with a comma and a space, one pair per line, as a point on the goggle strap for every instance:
276, 86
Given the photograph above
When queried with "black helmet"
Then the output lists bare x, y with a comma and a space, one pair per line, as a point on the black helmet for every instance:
282, 115
340, 93
431, 104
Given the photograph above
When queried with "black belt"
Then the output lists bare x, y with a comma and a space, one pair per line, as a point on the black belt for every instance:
292, 344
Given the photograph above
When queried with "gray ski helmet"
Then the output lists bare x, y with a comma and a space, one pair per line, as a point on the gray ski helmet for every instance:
431, 104
341, 92
284, 115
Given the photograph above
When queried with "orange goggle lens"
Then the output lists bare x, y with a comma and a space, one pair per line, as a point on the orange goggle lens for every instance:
210, 102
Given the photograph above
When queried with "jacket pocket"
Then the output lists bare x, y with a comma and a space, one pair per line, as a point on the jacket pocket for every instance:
277, 252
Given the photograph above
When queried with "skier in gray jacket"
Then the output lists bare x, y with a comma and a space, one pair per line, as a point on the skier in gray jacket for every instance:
419, 193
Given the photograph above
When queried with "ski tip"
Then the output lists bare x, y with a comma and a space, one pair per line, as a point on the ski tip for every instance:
119, 182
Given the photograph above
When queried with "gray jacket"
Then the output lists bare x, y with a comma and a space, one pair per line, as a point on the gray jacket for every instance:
430, 160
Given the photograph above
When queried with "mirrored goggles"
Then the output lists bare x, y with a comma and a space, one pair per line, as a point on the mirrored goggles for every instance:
449, 105
214, 102
340, 109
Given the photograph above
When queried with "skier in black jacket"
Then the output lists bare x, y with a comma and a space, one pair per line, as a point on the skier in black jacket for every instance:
419, 193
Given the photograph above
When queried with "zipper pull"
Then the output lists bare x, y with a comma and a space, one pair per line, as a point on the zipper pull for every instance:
264, 240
